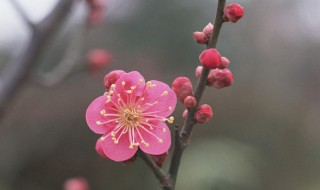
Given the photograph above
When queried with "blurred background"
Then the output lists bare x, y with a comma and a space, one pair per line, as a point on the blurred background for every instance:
265, 131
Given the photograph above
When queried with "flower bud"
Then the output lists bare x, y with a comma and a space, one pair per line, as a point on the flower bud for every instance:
224, 63
208, 30
159, 159
190, 102
130, 161
204, 113
200, 37
220, 78
198, 71
182, 86
210, 58
185, 114
112, 77
78, 183
99, 149
99, 59
233, 12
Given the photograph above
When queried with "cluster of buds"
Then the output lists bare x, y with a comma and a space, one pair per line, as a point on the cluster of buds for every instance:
77, 183
99, 59
204, 36
97, 9
159, 159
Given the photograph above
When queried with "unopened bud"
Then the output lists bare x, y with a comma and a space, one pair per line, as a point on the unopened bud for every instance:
99, 59
204, 113
185, 114
190, 102
220, 78
208, 30
198, 71
210, 58
224, 63
100, 150
78, 183
130, 161
233, 12
159, 159
112, 77
182, 86
200, 37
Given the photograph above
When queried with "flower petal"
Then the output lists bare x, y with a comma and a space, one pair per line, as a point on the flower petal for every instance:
128, 80
155, 147
118, 152
165, 97
93, 115
99, 149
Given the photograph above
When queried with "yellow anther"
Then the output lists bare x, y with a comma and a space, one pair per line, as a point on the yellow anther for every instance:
142, 99
108, 99
129, 91
131, 147
133, 87
165, 93
164, 120
98, 123
170, 108
171, 119
164, 130
111, 92
102, 138
113, 86
160, 141
103, 112
140, 80
116, 142
136, 144
149, 84
123, 83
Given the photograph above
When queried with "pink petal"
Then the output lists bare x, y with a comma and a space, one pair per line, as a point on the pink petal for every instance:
93, 115
133, 78
155, 147
164, 101
118, 152
100, 150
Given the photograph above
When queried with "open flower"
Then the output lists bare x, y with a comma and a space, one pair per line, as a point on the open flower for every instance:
132, 114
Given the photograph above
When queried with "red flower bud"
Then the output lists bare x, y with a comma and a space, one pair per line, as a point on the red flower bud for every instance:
99, 59
233, 12
224, 63
182, 86
208, 30
112, 77
210, 58
220, 78
185, 114
78, 183
159, 159
200, 37
190, 102
198, 71
204, 113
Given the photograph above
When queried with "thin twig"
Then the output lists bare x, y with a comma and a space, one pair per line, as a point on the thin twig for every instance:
182, 140
158, 172
23, 14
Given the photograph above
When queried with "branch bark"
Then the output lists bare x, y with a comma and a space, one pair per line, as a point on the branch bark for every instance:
182, 139
23, 14
16, 72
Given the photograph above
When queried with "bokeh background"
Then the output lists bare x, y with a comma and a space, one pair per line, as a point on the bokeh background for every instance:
265, 131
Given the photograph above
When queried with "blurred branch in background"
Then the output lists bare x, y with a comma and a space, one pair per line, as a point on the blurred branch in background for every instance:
17, 71
23, 14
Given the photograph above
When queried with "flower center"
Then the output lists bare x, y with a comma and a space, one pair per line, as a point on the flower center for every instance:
130, 117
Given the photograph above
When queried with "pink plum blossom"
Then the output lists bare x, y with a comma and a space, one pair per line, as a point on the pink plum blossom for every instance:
132, 115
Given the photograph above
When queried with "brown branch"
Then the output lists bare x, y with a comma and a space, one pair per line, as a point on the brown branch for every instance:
23, 14
16, 72
158, 172
182, 140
